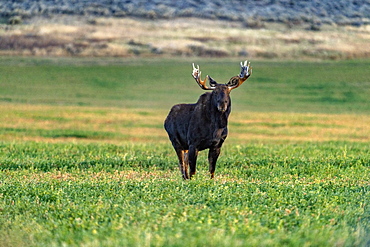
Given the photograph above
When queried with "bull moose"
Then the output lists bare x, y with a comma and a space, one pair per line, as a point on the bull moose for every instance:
195, 127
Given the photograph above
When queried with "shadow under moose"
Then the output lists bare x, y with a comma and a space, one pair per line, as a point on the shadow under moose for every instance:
203, 125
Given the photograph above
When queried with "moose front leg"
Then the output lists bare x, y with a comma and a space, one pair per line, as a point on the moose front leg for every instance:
212, 159
183, 162
192, 156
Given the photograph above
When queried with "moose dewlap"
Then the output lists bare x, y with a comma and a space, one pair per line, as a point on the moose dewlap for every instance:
195, 127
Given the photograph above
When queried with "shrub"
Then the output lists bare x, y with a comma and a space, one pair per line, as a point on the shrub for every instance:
15, 20
202, 51
254, 23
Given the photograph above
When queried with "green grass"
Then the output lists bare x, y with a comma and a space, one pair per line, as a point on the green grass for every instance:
132, 195
323, 87
85, 161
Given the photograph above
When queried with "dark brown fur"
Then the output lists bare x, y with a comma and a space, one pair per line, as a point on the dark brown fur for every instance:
195, 127
203, 125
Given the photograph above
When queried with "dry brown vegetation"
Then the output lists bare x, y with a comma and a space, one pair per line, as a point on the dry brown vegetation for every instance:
60, 124
126, 37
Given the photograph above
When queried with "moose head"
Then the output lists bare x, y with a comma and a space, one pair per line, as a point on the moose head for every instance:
221, 92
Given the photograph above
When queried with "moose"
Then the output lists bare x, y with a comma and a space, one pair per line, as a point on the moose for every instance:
195, 127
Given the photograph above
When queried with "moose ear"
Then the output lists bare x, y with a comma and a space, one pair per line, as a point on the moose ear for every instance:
212, 82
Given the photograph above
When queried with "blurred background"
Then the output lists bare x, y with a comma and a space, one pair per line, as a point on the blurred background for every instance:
308, 57
266, 29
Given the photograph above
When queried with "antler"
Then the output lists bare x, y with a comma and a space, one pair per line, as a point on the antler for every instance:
245, 73
246, 69
196, 74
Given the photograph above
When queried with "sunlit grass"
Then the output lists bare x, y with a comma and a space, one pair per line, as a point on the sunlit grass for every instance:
57, 123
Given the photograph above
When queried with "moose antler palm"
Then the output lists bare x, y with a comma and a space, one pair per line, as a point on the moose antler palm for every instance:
202, 83
236, 81
246, 69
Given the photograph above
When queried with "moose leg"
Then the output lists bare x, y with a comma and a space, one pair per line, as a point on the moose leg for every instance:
186, 162
192, 156
212, 159
183, 163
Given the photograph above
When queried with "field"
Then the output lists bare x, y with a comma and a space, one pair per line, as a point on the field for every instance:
85, 160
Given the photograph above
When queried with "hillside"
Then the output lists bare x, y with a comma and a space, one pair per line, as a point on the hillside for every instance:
281, 29
355, 12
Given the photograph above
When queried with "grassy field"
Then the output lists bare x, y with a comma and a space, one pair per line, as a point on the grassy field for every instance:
132, 195
319, 87
85, 161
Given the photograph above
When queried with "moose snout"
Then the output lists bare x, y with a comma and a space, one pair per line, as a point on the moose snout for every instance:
222, 106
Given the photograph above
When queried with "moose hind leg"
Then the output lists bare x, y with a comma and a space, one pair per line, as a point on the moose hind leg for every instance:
212, 159
183, 165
